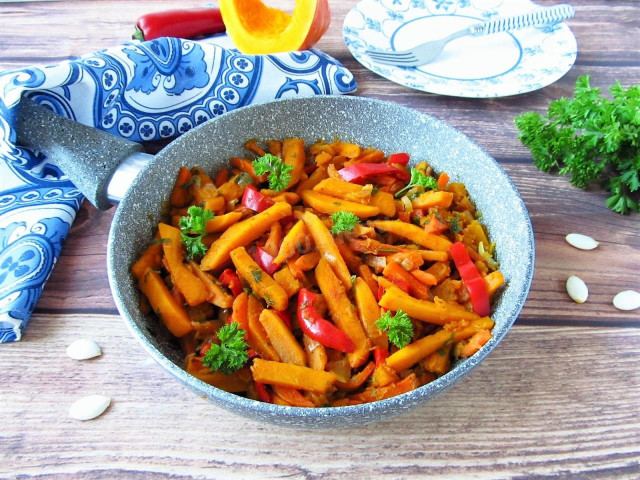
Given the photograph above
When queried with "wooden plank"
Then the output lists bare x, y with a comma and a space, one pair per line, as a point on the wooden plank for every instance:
548, 401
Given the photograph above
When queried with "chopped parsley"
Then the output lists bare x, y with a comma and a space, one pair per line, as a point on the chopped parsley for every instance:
231, 354
279, 172
454, 224
399, 327
419, 179
343, 222
195, 223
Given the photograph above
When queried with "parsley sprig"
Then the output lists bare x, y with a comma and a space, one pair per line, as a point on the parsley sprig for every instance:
231, 354
419, 179
399, 327
343, 222
590, 138
279, 172
195, 223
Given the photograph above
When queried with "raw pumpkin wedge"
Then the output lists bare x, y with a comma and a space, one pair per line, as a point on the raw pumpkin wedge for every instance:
258, 29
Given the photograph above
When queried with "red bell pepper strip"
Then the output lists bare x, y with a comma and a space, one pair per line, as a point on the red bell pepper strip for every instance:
285, 317
255, 200
265, 261
319, 329
471, 278
399, 158
360, 171
261, 390
379, 355
182, 23
230, 278
205, 348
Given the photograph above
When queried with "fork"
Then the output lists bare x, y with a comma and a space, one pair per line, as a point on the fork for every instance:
426, 52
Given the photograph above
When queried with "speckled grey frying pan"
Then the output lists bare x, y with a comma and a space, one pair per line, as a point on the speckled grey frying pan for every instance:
368, 122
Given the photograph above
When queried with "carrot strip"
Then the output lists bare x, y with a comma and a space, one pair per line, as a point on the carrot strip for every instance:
425, 278
330, 205
189, 284
180, 194
170, 312
369, 313
217, 295
408, 356
222, 222
292, 396
308, 261
240, 313
258, 339
413, 233
439, 313
443, 179
242, 234
327, 247
294, 241
342, 312
282, 339
294, 376
260, 281
252, 145
393, 271
357, 380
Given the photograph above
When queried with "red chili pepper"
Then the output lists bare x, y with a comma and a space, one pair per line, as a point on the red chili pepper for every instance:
265, 261
205, 348
380, 294
379, 354
399, 158
284, 315
262, 392
319, 329
230, 278
401, 284
471, 278
183, 23
253, 354
255, 200
360, 171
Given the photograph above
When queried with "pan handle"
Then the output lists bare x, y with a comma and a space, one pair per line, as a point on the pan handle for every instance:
89, 157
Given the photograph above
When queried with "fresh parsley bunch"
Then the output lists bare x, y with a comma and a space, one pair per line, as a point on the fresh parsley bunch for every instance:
279, 172
421, 180
590, 138
231, 354
195, 223
399, 327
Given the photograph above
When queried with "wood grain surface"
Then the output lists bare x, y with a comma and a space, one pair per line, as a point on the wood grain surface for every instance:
559, 398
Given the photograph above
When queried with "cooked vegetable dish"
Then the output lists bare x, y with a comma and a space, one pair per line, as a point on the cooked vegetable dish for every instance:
320, 276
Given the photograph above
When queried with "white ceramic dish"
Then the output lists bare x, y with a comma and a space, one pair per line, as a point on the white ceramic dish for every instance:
497, 65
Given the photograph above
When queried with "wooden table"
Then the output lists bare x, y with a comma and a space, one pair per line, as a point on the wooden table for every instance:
559, 397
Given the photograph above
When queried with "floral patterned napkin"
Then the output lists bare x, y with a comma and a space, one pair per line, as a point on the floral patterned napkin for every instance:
141, 91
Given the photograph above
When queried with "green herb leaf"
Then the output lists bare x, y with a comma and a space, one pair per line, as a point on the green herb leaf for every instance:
454, 224
399, 327
231, 354
590, 138
343, 222
279, 172
419, 179
195, 223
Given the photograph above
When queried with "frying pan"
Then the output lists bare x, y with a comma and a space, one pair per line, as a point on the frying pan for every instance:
108, 169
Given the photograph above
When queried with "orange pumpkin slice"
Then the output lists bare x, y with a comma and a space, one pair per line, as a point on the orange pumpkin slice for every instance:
258, 29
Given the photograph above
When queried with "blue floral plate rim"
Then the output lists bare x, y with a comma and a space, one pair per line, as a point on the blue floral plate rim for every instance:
541, 56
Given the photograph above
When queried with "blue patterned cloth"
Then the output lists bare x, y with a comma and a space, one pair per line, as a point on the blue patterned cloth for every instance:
141, 91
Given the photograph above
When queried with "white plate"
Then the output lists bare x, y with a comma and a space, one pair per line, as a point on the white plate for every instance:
497, 65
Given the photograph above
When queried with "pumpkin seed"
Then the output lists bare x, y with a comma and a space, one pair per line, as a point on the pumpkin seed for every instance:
577, 289
83, 349
627, 300
583, 242
89, 407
